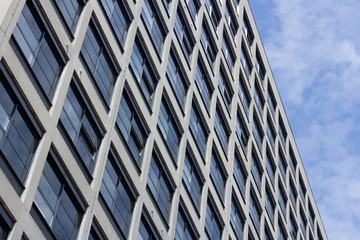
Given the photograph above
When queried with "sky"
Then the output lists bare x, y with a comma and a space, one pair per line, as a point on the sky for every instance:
314, 51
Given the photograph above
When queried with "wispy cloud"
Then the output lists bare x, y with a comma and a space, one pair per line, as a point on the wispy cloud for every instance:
314, 50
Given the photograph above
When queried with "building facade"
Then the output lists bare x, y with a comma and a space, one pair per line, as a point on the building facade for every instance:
144, 120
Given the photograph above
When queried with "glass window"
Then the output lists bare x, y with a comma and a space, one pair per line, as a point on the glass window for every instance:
271, 133
237, 220
282, 165
259, 100
100, 62
132, 126
256, 170
39, 49
303, 221
213, 11
160, 186
203, 84
198, 129
248, 33
282, 132
182, 32
169, 128
293, 227
95, 232
154, 25
267, 233
143, 70
70, 11
192, 181
81, 127
240, 173
271, 101
193, 6
319, 235
6, 223
241, 132
311, 215
176, 76
270, 167
282, 199
302, 189
221, 129
255, 211
281, 231
244, 95
213, 224
208, 44
184, 228
146, 229
258, 133
58, 201
293, 194
231, 19
19, 132
119, 17
217, 174
225, 89
259, 65
292, 161
228, 52
245, 61
117, 194
270, 205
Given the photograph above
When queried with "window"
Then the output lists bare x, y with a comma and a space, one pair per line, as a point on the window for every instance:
57, 201
132, 126
270, 205
248, 33
39, 49
167, 4
143, 70
255, 211
176, 77
213, 224
259, 65
292, 161
245, 61
270, 167
244, 95
99, 61
70, 11
221, 129
119, 18
281, 231
242, 132
198, 129
117, 196
282, 199
193, 6
237, 219
225, 89
258, 134
293, 194
271, 133
231, 19
311, 215
293, 227
228, 52
169, 128
302, 189
319, 235
160, 186
271, 101
184, 228
203, 84
303, 221
208, 44
19, 132
256, 170
95, 232
81, 127
154, 26
282, 132
6, 223
213, 11
240, 174
218, 175
183, 33
267, 233
282, 165
146, 229
192, 180
259, 100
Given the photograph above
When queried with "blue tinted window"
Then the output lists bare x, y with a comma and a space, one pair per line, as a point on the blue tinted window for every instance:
239, 173
146, 229
203, 84
208, 44
184, 229
255, 211
225, 89
6, 223
183, 34
256, 170
237, 220
213, 224
70, 11
217, 174
198, 129
221, 129
242, 132
95, 232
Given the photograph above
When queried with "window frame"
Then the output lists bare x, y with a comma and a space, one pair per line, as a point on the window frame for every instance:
223, 126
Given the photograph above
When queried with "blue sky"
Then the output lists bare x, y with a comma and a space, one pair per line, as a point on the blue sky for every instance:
314, 51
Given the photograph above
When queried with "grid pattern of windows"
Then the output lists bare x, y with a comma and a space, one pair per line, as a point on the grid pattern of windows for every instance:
237, 219
213, 224
184, 229
169, 128
225, 89
57, 200
239, 173
39, 48
143, 70
118, 197
203, 84
176, 77
154, 25
192, 180
198, 129
70, 11
217, 174
99, 61
131, 127
160, 186
119, 18
222, 129
81, 126
183, 34
208, 44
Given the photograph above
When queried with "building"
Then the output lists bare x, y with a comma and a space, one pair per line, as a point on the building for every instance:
144, 120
